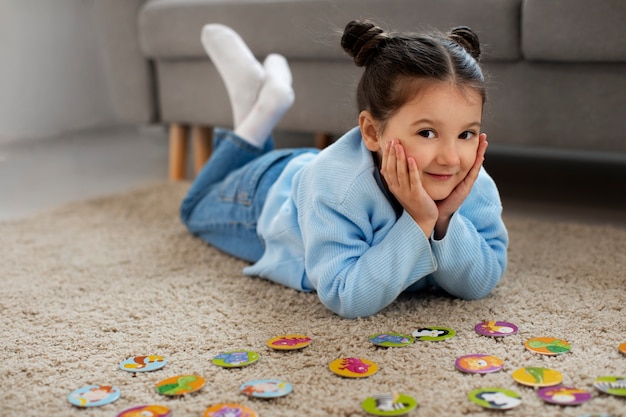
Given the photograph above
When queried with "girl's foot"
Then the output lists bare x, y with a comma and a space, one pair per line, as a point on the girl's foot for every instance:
275, 98
242, 74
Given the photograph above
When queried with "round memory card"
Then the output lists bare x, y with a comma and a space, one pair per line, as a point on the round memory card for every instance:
229, 409
266, 388
143, 363
548, 346
289, 342
564, 395
614, 385
495, 398
433, 333
153, 410
495, 328
537, 377
478, 363
235, 358
389, 404
390, 339
180, 385
94, 395
353, 367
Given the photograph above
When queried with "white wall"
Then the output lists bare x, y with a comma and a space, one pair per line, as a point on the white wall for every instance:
51, 74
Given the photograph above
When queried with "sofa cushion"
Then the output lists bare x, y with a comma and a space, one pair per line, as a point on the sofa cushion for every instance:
311, 29
574, 30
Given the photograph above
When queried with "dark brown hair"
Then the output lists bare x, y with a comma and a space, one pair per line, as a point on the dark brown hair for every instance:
397, 65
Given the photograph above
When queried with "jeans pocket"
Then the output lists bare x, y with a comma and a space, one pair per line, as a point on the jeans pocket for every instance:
240, 186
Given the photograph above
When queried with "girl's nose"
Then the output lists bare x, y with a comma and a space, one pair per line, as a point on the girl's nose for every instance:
448, 154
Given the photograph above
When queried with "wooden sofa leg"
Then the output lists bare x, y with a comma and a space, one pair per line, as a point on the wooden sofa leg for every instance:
322, 140
202, 141
178, 151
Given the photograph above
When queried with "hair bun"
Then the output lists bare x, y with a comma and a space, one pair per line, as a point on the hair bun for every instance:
361, 40
466, 37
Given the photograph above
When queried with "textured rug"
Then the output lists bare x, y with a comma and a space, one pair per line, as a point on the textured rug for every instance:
88, 285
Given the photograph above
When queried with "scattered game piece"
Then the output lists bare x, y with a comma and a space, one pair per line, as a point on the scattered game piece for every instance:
495, 398
389, 404
236, 358
228, 409
143, 363
622, 348
289, 342
479, 363
564, 395
353, 367
434, 333
537, 377
391, 339
266, 388
180, 385
153, 410
548, 345
614, 385
94, 395
495, 328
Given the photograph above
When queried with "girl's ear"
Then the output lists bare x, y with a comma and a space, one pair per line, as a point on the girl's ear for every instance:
369, 131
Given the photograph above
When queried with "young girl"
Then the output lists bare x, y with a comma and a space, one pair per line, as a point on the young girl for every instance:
399, 203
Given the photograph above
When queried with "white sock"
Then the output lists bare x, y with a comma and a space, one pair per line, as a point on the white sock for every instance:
275, 98
242, 74
278, 66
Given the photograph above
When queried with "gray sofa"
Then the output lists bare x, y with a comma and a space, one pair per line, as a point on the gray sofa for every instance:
557, 68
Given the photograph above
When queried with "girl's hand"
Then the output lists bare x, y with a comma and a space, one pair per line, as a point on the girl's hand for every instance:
450, 204
403, 180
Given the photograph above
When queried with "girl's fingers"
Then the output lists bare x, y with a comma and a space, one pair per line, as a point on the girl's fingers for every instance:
414, 174
390, 168
401, 167
480, 156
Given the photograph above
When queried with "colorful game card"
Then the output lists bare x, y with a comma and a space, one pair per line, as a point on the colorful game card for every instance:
433, 333
153, 410
266, 388
547, 346
614, 385
537, 377
389, 404
479, 363
236, 358
390, 339
564, 395
143, 363
353, 367
94, 395
289, 342
495, 328
495, 398
180, 385
229, 409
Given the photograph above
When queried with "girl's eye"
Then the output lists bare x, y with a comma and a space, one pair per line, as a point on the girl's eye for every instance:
426, 134
467, 135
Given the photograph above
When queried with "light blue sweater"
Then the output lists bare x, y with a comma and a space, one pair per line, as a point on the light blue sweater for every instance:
329, 225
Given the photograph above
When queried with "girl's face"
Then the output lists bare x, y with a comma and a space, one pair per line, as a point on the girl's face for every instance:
439, 128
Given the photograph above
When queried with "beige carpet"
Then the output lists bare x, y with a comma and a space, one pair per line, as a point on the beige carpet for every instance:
88, 285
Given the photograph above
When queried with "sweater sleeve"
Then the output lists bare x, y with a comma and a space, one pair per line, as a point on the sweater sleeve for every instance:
361, 266
472, 256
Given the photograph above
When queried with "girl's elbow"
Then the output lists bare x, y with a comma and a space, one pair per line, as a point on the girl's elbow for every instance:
348, 309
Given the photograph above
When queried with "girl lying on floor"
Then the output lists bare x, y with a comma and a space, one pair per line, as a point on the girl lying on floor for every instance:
399, 203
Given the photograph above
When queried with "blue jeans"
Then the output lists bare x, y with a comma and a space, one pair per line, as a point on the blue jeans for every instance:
226, 198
